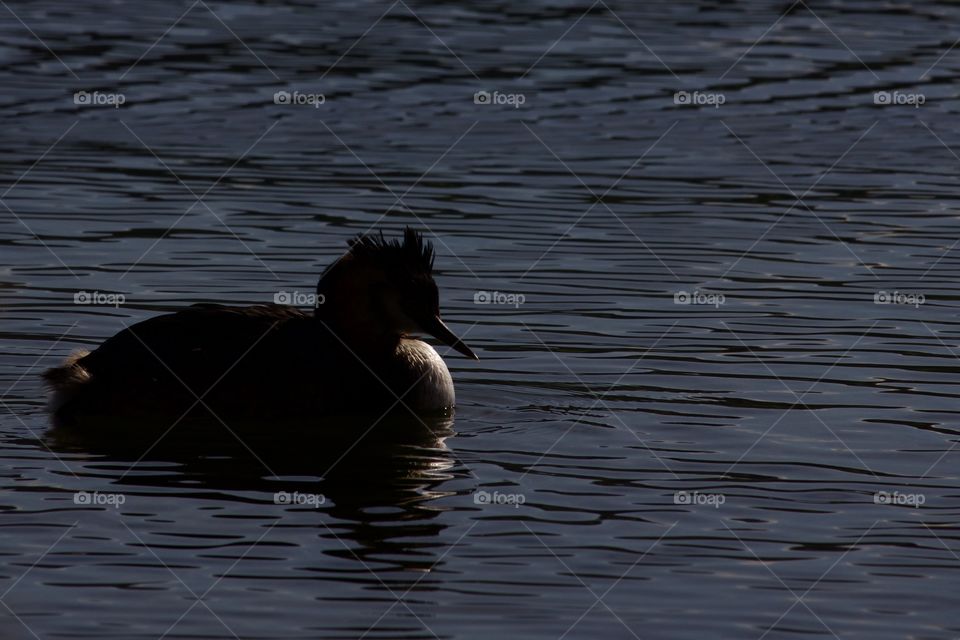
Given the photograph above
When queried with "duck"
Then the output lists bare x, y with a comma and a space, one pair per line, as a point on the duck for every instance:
358, 351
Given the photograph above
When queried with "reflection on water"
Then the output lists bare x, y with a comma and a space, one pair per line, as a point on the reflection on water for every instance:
352, 470
721, 405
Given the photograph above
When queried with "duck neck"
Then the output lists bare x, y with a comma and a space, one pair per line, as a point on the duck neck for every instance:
356, 317
360, 337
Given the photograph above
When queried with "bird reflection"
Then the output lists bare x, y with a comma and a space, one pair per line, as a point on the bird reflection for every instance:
375, 477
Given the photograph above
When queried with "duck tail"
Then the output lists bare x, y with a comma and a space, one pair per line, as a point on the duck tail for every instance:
66, 380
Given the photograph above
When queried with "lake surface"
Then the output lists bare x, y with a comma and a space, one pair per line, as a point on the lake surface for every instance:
718, 387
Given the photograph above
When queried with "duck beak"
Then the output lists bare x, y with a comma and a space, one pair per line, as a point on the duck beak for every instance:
435, 327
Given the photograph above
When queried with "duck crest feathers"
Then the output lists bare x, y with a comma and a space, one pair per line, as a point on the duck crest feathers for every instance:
414, 252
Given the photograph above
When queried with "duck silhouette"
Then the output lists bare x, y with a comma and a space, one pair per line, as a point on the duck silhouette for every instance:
355, 354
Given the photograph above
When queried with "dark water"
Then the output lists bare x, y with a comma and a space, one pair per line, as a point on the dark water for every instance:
808, 408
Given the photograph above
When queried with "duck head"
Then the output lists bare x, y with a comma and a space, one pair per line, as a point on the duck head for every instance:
383, 290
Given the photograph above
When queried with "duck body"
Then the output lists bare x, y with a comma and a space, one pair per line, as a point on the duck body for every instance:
256, 362
266, 361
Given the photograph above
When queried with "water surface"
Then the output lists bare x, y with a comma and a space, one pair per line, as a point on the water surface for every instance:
775, 460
